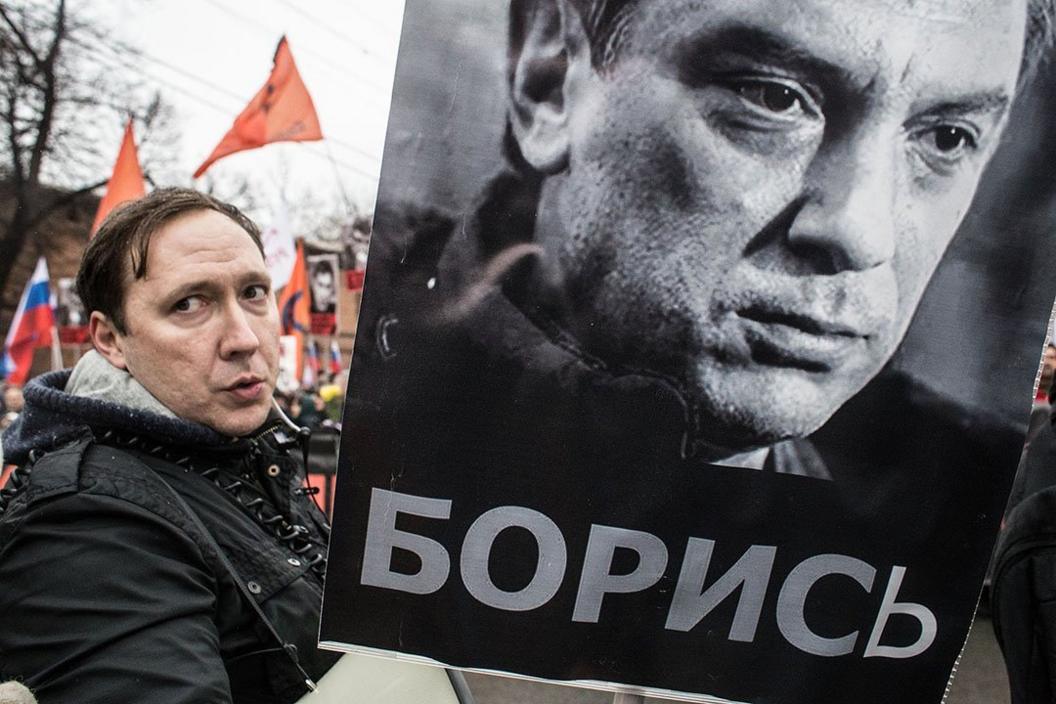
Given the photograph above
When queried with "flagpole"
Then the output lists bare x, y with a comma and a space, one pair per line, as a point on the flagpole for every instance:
337, 176
56, 350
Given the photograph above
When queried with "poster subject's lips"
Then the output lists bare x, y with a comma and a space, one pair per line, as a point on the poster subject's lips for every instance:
787, 337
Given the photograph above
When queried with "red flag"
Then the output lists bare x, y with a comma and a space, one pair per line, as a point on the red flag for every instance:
281, 111
293, 305
126, 183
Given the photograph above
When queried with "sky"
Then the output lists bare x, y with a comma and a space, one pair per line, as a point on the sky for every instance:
208, 58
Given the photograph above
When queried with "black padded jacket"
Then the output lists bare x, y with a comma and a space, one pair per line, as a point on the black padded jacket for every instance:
110, 591
1023, 589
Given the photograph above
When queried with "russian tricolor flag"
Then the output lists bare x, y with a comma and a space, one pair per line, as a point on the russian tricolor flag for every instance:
335, 357
31, 327
311, 367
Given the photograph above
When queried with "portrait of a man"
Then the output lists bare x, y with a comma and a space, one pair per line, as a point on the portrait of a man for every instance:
699, 249
69, 310
740, 203
745, 197
323, 281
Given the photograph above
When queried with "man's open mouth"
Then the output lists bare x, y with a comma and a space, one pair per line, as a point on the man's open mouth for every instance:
247, 388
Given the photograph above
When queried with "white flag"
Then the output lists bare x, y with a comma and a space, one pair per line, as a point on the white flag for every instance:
280, 252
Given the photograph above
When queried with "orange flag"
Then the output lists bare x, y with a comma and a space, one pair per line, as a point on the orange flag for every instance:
281, 111
126, 183
293, 305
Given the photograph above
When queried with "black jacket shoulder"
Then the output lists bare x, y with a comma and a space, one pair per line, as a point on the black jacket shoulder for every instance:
102, 564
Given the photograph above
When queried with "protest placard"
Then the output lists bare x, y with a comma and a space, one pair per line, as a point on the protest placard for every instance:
690, 360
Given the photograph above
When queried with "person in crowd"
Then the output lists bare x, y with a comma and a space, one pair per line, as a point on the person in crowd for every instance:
155, 540
13, 402
1048, 367
1041, 409
1023, 589
282, 401
307, 415
295, 406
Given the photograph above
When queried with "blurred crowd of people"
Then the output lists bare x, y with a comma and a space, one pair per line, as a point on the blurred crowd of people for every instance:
316, 406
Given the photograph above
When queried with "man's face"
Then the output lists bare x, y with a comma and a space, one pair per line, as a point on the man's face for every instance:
757, 192
323, 288
13, 401
203, 328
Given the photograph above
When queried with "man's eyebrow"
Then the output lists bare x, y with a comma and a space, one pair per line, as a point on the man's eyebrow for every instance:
191, 288
983, 102
254, 277
710, 48
197, 286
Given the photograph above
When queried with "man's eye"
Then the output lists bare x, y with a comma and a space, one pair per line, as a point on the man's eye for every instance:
256, 291
946, 146
772, 96
950, 141
189, 304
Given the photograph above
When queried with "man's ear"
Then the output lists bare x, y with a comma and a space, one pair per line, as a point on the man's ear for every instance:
549, 53
107, 339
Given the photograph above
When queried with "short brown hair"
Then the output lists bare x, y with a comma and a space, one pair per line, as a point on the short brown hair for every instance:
123, 241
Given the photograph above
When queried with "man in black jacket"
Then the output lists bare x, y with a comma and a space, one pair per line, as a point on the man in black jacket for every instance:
155, 542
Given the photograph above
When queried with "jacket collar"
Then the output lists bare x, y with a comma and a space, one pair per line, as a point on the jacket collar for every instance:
51, 417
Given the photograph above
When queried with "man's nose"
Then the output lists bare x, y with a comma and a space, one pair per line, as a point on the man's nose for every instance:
847, 220
238, 336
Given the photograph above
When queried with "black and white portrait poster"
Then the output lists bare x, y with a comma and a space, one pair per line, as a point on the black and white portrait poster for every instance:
697, 341
69, 313
323, 282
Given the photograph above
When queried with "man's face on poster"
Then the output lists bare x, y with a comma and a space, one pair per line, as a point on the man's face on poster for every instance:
752, 196
323, 289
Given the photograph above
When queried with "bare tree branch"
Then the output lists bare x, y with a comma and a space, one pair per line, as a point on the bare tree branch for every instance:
47, 69
59, 92
23, 40
67, 197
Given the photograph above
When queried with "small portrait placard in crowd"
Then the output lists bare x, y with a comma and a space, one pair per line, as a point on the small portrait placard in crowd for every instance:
323, 283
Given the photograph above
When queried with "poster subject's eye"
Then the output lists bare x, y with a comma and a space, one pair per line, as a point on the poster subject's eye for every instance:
946, 145
779, 98
951, 140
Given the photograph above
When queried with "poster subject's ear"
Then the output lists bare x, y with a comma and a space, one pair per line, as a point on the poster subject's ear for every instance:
549, 51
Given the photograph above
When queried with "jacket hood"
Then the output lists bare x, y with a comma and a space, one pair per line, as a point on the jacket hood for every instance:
51, 417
